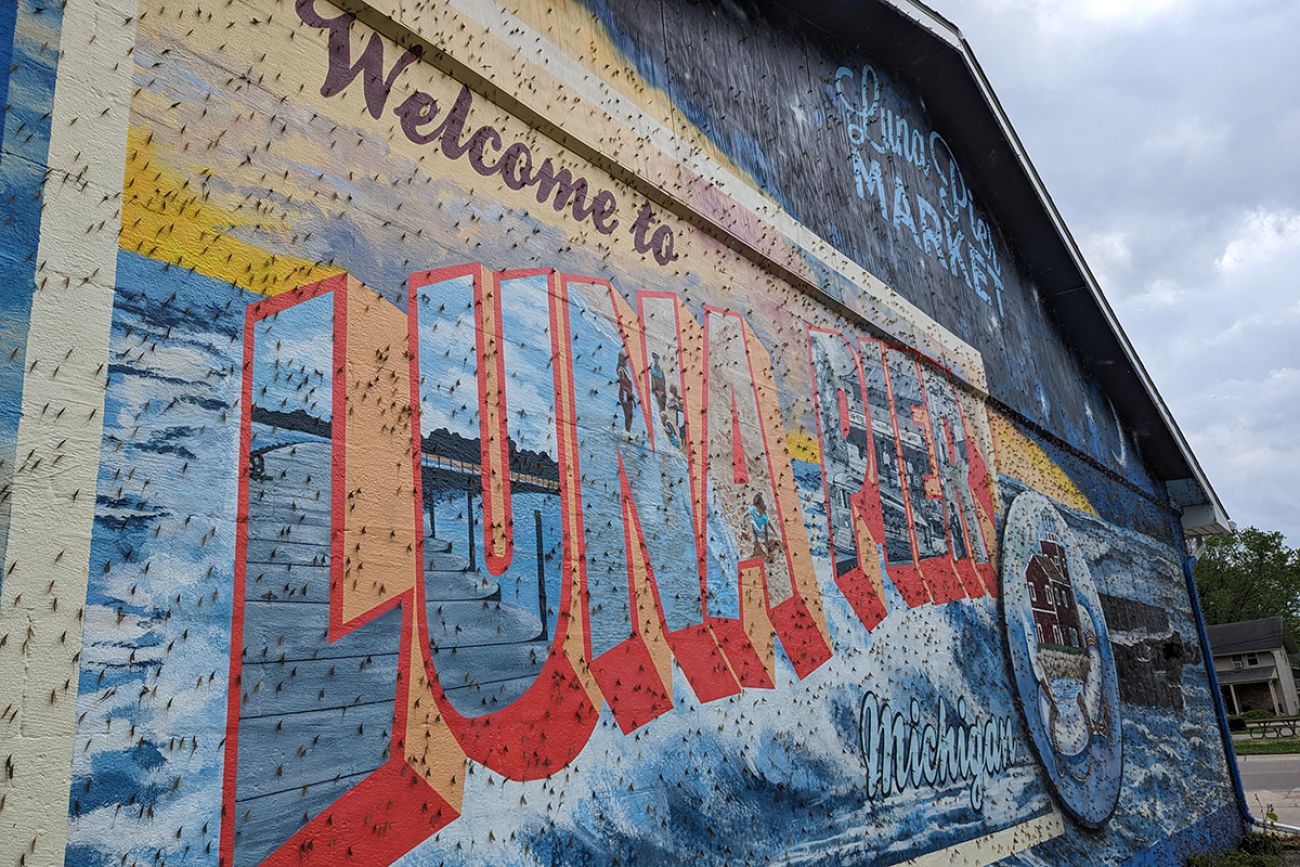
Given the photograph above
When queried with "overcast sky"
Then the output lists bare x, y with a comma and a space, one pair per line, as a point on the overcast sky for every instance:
1168, 132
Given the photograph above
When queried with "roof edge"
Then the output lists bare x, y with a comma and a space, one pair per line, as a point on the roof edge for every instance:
1206, 517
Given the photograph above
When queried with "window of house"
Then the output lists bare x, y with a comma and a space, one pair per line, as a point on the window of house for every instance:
1252, 659
1238, 661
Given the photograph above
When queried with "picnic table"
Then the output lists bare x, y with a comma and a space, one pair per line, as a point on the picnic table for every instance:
1279, 727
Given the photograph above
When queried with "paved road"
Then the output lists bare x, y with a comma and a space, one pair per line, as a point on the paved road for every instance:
1272, 783
1273, 773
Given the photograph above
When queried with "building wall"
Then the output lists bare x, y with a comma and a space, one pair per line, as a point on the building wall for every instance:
845, 144
539, 450
1286, 682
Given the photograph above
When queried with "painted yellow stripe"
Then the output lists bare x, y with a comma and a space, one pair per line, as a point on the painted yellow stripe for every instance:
1020, 457
168, 218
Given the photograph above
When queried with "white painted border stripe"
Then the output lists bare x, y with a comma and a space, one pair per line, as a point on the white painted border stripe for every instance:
969, 853
993, 847
60, 431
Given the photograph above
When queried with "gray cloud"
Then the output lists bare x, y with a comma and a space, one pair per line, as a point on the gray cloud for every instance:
1168, 132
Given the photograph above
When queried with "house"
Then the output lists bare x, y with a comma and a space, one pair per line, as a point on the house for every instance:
1254, 669
1051, 596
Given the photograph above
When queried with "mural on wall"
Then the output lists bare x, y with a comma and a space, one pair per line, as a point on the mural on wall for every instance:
1062, 659
460, 503
657, 531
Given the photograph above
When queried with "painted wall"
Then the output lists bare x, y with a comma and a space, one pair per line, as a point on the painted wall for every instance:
479, 475
845, 145
28, 36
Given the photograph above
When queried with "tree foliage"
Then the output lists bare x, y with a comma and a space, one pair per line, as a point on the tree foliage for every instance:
1247, 575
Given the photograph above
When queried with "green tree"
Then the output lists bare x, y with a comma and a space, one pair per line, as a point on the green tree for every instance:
1247, 575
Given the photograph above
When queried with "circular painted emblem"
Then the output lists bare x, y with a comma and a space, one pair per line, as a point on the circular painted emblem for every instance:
1062, 660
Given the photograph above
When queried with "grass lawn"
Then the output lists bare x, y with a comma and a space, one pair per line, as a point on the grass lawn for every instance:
1265, 746
1256, 850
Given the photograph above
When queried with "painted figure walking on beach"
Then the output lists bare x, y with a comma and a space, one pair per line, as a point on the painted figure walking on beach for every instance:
673, 417
626, 396
761, 526
657, 381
